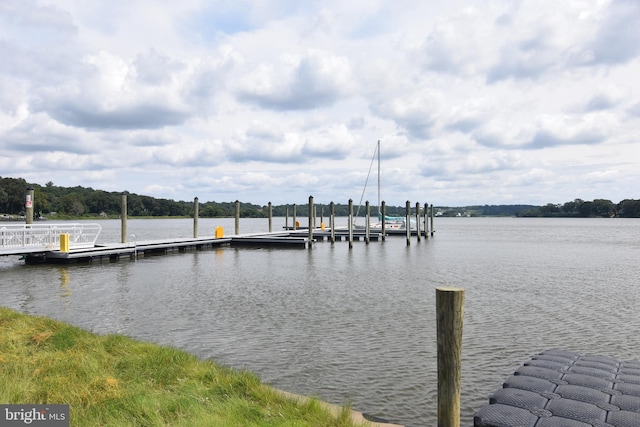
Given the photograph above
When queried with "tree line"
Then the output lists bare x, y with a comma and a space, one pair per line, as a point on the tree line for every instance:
54, 201
578, 208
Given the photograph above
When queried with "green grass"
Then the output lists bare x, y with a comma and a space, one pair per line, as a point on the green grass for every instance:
112, 380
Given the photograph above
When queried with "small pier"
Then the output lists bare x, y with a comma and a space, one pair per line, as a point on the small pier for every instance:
114, 251
52, 248
568, 389
69, 242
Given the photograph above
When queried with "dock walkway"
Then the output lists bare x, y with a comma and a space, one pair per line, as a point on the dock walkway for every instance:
44, 243
149, 247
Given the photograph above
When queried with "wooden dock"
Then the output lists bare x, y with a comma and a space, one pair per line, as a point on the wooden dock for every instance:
65, 243
114, 251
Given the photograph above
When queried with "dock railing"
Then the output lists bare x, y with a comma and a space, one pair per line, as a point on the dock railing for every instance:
14, 237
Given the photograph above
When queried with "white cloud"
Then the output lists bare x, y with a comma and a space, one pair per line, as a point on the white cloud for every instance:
277, 100
317, 79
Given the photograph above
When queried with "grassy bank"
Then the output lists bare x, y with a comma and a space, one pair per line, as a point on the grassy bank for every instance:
112, 380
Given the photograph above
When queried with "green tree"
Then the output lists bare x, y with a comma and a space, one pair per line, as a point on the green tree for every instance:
16, 190
629, 208
549, 209
72, 205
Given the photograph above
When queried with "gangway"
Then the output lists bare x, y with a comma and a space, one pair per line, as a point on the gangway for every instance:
19, 239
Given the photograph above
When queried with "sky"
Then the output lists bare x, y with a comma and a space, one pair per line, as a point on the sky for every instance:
473, 102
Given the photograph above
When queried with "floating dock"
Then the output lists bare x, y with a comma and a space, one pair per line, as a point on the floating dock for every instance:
559, 388
114, 251
71, 242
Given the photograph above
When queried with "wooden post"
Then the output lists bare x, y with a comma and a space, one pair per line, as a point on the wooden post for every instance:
432, 229
270, 210
408, 222
426, 220
237, 217
350, 223
315, 216
123, 217
294, 217
368, 223
383, 208
449, 311
28, 205
286, 218
418, 220
311, 219
332, 222
196, 208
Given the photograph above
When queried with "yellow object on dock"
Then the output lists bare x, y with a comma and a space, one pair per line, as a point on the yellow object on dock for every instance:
64, 242
219, 232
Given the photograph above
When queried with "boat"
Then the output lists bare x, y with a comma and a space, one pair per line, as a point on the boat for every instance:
395, 223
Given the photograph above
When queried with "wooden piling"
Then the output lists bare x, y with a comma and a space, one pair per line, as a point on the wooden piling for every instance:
383, 208
28, 205
270, 210
449, 312
332, 221
286, 218
311, 220
123, 217
432, 229
350, 223
426, 220
195, 217
237, 217
408, 222
315, 216
294, 217
418, 220
367, 229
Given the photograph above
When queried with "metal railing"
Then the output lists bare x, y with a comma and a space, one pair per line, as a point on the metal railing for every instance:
47, 236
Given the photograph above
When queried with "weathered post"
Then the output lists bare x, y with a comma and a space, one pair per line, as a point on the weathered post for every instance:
270, 210
332, 221
286, 218
418, 220
196, 213
350, 223
315, 216
237, 217
123, 217
294, 218
383, 208
28, 205
407, 220
311, 219
426, 220
367, 225
449, 311
432, 229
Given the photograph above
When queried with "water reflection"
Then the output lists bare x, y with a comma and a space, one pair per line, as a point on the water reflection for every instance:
359, 325
65, 290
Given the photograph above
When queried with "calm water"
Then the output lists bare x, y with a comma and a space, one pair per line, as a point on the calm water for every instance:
358, 325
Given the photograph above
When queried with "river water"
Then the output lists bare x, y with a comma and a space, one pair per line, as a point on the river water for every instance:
358, 325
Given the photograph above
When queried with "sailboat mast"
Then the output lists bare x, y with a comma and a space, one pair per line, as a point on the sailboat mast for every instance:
378, 177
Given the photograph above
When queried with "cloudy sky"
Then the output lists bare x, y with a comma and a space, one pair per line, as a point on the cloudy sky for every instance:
474, 102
